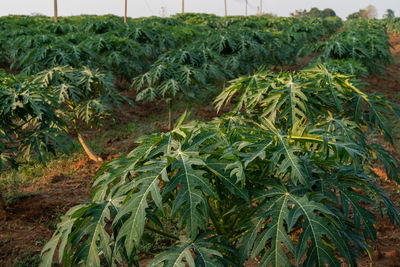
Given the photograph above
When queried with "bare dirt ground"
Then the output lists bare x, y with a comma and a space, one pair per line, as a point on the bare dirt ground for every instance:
389, 82
30, 220
388, 236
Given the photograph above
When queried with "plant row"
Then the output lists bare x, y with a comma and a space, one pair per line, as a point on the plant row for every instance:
360, 49
33, 44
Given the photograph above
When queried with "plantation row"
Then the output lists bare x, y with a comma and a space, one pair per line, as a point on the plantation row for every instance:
280, 177
362, 48
35, 44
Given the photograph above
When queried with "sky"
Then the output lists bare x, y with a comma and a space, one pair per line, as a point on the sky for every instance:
144, 8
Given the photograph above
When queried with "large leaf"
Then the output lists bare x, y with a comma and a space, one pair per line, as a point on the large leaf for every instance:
191, 197
132, 215
204, 255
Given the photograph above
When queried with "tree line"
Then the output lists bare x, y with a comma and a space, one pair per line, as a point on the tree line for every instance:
183, 9
368, 12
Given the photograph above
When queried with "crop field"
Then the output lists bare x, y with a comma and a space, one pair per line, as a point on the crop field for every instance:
199, 140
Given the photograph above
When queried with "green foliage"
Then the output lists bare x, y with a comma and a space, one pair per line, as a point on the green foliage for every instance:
183, 70
203, 248
364, 41
287, 99
389, 14
315, 13
82, 95
37, 113
34, 44
29, 125
196, 70
356, 15
346, 66
392, 24
369, 12
290, 161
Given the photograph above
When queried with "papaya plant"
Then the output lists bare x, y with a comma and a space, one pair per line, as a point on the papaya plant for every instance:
84, 97
184, 72
281, 178
29, 124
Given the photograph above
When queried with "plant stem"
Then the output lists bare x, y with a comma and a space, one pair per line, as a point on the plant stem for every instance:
233, 222
161, 232
169, 102
3, 213
88, 150
214, 221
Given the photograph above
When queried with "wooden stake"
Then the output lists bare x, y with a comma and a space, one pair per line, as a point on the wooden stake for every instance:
55, 11
226, 10
126, 10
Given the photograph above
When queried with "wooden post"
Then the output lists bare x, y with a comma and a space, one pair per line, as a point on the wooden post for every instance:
247, 2
183, 6
126, 10
261, 9
226, 10
55, 11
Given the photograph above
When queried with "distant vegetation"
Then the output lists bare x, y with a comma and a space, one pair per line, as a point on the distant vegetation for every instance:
314, 13
369, 12
389, 14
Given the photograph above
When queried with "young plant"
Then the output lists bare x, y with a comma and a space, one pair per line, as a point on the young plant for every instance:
29, 125
179, 73
84, 98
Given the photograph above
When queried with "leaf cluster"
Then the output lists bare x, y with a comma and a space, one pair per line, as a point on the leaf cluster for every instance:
82, 95
29, 125
200, 66
37, 113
